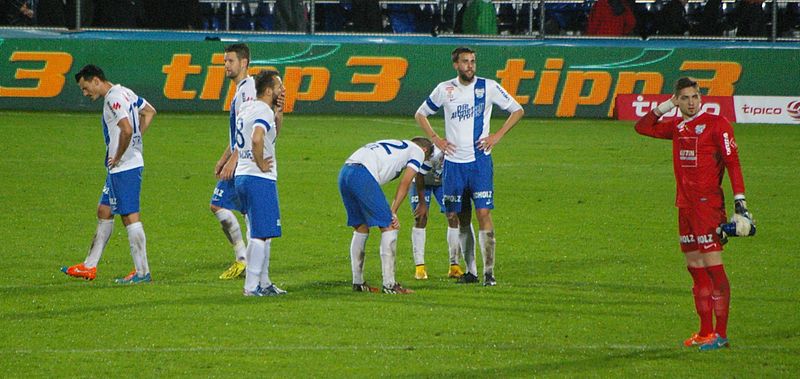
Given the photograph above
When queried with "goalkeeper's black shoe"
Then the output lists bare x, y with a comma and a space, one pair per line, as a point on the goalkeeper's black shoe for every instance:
468, 278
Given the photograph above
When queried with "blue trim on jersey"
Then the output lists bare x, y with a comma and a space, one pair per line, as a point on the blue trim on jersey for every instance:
426, 167
106, 138
139, 102
431, 105
480, 103
232, 131
415, 163
263, 122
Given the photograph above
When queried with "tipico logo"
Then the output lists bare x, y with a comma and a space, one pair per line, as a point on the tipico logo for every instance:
793, 109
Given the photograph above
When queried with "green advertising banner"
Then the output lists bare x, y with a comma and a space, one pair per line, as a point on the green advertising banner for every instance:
383, 75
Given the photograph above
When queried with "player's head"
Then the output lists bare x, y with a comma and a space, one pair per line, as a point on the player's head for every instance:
237, 59
464, 63
269, 86
425, 144
687, 92
92, 81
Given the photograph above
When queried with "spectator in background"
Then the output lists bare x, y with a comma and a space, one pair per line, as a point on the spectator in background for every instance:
17, 12
711, 20
290, 16
672, 19
402, 17
180, 14
50, 13
367, 16
118, 13
750, 18
480, 17
87, 13
610, 18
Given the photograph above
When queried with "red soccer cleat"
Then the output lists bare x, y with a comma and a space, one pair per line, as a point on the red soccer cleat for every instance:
80, 271
698, 340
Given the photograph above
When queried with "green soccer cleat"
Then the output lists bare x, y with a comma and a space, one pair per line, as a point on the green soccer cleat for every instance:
234, 271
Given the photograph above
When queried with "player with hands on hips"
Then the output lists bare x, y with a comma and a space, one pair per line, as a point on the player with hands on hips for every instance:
360, 181
703, 147
468, 175
126, 117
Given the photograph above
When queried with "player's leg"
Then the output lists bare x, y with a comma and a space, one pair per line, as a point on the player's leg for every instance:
223, 200
418, 236
466, 236
711, 250
454, 181
126, 188
105, 226
702, 284
265, 219
482, 187
256, 247
349, 180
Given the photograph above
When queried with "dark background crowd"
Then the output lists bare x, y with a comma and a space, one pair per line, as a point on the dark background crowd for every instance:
590, 17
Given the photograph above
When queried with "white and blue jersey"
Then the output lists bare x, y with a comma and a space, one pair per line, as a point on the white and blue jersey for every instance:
257, 190
118, 104
255, 115
467, 111
386, 159
433, 181
245, 91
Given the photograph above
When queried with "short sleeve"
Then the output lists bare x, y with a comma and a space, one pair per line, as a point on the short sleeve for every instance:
116, 108
501, 98
432, 104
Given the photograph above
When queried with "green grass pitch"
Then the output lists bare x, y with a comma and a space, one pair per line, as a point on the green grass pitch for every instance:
590, 279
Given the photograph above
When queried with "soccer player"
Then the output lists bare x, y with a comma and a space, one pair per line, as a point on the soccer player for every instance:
224, 198
126, 116
702, 148
433, 188
256, 177
360, 181
467, 101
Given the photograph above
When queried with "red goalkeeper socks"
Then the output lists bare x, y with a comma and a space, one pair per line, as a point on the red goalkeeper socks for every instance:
702, 289
721, 296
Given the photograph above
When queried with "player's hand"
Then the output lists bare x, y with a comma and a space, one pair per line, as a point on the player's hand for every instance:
486, 143
227, 171
279, 102
266, 164
395, 221
421, 210
112, 162
740, 208
444, 145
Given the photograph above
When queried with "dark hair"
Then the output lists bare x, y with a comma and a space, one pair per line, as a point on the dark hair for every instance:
265, 79
460, 50
89, 72
241, 50
424, 143
686, 82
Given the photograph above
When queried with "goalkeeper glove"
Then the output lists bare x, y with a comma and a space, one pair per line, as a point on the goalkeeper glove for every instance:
741, 223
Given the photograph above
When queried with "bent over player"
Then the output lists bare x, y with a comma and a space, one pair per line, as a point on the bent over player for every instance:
360, 181
468, 170
703, 146
126, 116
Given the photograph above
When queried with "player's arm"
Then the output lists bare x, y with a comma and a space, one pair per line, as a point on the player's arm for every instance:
486, 143
727, 146
229, 168
221, 162
146, 116
649, 124
125, 134
264, 163
279, 113
400, 195
441, 143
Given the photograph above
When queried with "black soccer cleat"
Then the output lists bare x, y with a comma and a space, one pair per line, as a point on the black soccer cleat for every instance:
468, 278
489, 280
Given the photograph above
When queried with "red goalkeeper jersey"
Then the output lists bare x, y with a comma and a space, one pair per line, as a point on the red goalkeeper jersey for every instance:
702, 147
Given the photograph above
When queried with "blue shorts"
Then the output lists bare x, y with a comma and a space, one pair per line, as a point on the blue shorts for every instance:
259, 200
413, 198
121, 191
225, 196
363, 198
473, 179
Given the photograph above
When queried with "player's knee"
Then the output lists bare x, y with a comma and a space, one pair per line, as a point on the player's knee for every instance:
104, 212
701, 291
214, 208
421, 222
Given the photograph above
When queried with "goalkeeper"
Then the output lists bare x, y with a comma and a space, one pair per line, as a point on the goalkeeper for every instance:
702, 148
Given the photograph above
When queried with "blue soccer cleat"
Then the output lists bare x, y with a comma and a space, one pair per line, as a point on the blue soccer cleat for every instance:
257, 292
132, 278
715, 344
271, 290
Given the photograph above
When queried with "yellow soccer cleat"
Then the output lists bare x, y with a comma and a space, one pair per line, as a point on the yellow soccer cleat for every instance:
455, 272
233, 272
420, 273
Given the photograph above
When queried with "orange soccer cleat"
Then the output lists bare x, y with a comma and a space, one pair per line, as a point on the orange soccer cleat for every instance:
80, 271
698, 340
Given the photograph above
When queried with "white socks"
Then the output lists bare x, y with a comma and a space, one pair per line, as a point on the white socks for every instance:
357, 256
388, 252
486, 240
257, 253
453, 245
230, 225
138, 244
264, 281
418, 245
101, 236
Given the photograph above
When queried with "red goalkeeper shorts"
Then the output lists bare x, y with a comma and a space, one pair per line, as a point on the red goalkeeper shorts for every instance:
698, 228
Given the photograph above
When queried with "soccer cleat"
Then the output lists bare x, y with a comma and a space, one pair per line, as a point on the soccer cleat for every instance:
488, 280
364, 287
80, 271
233, 272
455, 271
697, 340
717, 342
397, 289
132, 278
257, 292
271, 290
467, 279
420, 273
